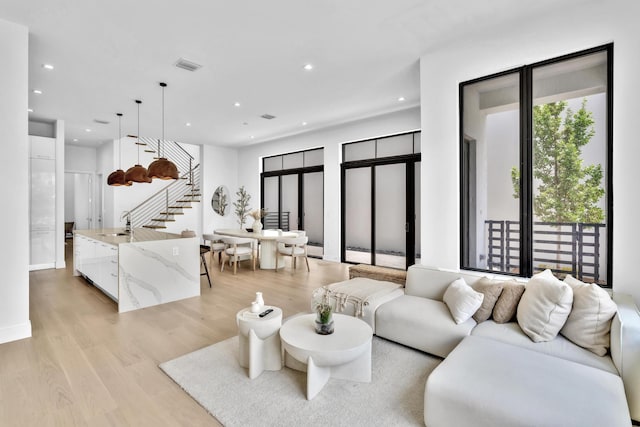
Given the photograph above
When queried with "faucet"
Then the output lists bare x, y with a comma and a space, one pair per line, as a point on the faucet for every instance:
127, 227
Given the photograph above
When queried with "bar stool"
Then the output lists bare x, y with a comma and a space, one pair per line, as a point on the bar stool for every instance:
203, 251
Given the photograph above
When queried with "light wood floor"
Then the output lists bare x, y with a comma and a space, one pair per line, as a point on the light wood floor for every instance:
88, 365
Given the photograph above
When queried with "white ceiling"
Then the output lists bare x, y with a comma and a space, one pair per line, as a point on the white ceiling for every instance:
365, 54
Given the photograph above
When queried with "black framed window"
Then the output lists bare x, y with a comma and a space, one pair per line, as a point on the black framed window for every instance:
536, 167
292, 192
381, 201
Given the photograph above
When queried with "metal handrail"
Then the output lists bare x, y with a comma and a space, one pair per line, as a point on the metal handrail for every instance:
168, 196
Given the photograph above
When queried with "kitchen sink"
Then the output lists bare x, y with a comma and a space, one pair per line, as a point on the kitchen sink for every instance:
113, 234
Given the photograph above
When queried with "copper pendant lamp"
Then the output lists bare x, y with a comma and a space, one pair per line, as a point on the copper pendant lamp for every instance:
162, 168
137, 173
116, 178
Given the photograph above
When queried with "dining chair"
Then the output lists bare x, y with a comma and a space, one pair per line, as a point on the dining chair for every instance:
294, 247
217, 246
238, 247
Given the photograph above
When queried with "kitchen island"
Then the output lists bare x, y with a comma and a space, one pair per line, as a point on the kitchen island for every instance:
139, 269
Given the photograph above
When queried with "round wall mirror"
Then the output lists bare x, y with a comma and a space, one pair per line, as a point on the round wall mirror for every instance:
220, 200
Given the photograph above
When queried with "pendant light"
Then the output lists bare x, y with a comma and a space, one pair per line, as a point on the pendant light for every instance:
162, 168
116, 178
137, 173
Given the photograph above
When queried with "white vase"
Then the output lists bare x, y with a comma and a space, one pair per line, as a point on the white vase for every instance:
257, 226
259, 299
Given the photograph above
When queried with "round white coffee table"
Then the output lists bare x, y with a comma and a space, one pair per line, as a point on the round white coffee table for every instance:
259, 341
345, 354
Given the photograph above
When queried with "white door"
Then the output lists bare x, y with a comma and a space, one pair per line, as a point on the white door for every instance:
79, 199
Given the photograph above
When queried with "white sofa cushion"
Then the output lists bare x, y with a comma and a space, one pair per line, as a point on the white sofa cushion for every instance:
511, 333
430, 282
544, 306
421, 323
462, 300
589, 323
484, 382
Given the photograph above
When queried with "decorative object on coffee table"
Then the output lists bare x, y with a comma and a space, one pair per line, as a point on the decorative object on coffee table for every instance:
324, 315
324, 318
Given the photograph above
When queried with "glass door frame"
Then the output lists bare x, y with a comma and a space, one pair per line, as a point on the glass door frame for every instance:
410, 161
300, 172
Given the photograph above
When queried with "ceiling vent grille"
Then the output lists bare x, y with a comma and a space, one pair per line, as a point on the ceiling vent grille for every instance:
187, 65
102, 122
268, 116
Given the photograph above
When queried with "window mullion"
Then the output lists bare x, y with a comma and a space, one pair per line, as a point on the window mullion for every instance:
526, 172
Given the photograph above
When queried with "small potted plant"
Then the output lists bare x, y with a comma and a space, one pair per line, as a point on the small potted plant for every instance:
324, 318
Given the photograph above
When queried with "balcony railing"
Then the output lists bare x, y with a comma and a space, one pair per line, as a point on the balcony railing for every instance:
564, 248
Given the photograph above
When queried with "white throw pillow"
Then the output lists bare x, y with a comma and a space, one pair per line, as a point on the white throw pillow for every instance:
544, 307
589, 323
462, 300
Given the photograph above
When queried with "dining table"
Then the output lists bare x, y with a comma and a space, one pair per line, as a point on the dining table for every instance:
268, 244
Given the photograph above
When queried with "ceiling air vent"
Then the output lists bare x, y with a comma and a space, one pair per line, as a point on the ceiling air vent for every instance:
102, 122
187, 65
268, 116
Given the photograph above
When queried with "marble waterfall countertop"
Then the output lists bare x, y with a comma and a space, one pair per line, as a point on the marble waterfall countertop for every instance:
115, 236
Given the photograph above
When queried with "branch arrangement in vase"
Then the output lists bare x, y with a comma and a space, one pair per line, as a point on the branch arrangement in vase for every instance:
242, 205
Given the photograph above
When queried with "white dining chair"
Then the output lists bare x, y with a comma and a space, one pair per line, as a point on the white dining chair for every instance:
217, 246
238, 247
294, 247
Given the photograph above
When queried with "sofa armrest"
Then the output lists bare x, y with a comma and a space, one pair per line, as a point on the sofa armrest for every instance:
625, 349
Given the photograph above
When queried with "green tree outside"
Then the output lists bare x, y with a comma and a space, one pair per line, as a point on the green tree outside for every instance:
567, 191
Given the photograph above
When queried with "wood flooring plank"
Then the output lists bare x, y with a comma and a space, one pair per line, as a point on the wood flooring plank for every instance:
88, 365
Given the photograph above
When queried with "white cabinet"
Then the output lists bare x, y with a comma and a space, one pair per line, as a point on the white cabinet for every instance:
98, 262
42, 203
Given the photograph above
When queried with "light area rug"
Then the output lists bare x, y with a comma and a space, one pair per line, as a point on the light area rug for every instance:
394, 397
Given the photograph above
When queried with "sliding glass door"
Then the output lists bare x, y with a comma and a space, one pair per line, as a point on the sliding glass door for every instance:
293, 195
381, 200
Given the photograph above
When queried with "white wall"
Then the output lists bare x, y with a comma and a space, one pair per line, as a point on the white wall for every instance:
14, 252
219, 167
524, 42
80, 159
331, 139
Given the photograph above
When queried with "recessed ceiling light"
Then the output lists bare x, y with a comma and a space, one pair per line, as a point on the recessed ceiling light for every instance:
187, 124
236, 104
401, 99
47, 66
304, 123
87, 130
252, 137
30, 110
308, 67
37, 91
75, 139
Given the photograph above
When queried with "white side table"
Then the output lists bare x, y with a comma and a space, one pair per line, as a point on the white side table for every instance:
345, 354
260, 341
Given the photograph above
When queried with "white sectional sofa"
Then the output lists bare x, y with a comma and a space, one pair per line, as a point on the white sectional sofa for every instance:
494, 375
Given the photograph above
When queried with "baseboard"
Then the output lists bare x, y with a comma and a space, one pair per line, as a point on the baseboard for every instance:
34, 267
15, 332
61, 264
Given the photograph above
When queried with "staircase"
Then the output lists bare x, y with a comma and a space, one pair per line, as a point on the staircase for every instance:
163, 207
